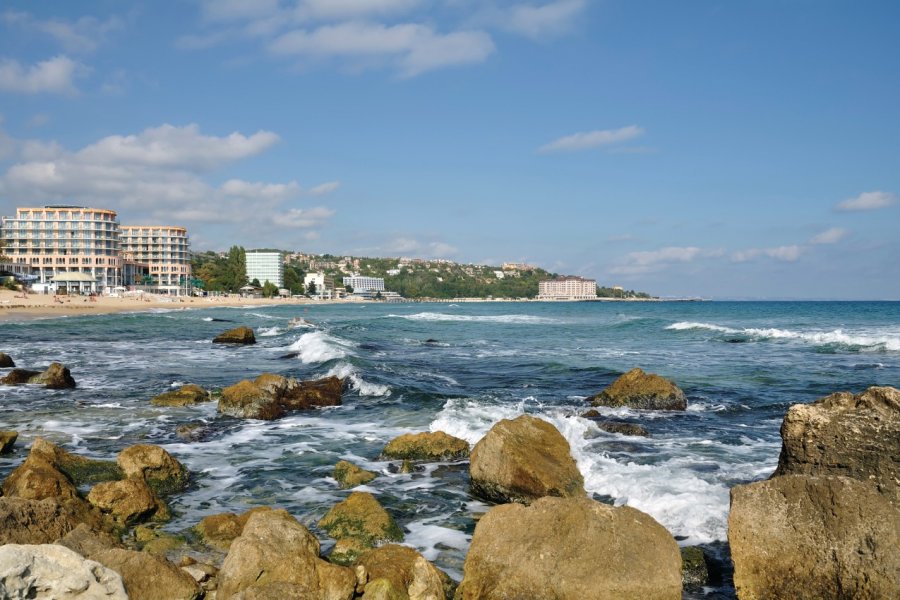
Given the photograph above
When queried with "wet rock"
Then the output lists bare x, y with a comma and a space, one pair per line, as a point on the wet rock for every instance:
149, 577
278, 558
310, 394
523, 459
26, 521
128, 501
400, 572
362, 519
56, 377
186, 395
852, 435
694, 572
18, 376
7, 439
801, 536
349, 475
162, 471
238, 335
432, 446
50, 571
637, 389
221, 529
79, 469
156, 541
6, 361
37, 479
550, 550
246, 400
623, 428
192, 432
86, 541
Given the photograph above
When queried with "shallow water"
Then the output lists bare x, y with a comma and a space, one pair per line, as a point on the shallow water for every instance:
740, 364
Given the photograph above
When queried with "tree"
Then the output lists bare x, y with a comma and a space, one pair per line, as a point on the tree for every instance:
255, 282
311, 289
378, 295
269, 289
348, 288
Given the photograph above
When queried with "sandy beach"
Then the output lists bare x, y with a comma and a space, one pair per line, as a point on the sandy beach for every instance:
14, 306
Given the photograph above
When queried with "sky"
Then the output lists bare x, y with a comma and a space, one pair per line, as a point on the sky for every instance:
708, 148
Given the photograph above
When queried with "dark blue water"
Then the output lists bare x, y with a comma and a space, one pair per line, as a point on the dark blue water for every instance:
741, 365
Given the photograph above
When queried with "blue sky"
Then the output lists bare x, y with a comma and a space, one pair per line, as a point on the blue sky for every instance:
722, 149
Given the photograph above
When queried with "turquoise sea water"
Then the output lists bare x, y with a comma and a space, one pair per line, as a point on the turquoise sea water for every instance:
741, 365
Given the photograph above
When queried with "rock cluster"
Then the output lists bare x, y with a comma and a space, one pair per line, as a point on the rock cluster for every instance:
54, 377
270, 396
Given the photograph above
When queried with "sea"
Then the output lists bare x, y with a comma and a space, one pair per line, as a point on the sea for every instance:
457, 368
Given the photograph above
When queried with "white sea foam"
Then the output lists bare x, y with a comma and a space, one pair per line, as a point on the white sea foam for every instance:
685, 325
268, 331
523, 319
318, 346
868, 340
426, 536
260, 315
347, 371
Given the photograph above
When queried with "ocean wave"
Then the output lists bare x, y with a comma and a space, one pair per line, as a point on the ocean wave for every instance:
364, 388
318, 346
268, 331
260, 315
522, 319
866, 340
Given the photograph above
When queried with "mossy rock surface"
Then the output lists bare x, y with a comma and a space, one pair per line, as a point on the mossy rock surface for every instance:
162, 471
694, 572
349, 475
186, 395
79, 469
637, 389
246, 400
238, 335
362, 518
433, 446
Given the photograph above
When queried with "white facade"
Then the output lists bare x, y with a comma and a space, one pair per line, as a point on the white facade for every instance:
324, 284
365, 284
265, 266
567, 288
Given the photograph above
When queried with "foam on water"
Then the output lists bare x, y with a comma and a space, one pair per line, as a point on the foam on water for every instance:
522, 319
867, 340
318, 346
345, 370
268, 331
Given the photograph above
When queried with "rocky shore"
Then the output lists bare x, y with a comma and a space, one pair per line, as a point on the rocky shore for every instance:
826, 524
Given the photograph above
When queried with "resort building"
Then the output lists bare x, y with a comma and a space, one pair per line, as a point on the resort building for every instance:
567, 288
324, 285
74, 248
166, 252
364, 284
265, 265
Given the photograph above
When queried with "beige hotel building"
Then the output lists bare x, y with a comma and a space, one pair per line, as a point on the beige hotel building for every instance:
567, 288
165, 249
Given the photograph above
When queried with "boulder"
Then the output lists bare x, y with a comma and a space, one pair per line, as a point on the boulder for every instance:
192, 432
221, 529
570, 548
183, 396
128, 501
523, 459
86, 541
694, 572
50, 571
7, 439
78, 468
360, 519
55, 377
149, 577
432, 446
278, 558
400, 572
37, 479
636, 389
852, 435
349, 475
26, 521
238, 335
162, 471
6, 361
18, 376
246, 400
623, 428
802, 536
310, 394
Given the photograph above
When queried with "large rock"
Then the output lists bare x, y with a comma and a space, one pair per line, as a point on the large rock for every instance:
37, 479
278, 558
55, 377
636, 389
246, 400
186, 395
149, 577
162, 471
349, 475
238, 335
79, 469
800, 536
221, 529
570, 548
7, 439
394, 571
523, 459
26, 521
128, 501
845, 434
55, 572
18, 376
303, 395
360, 522
6, 361
435, 445
86, 541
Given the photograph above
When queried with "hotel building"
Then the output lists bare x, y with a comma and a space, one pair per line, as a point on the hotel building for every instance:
166, 252
74, 247
364, 284
265, 265
323, 283
567, 288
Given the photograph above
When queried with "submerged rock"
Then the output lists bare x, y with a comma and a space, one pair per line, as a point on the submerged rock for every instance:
51, 571
349, 475
694, 572
7, 439
183, 396
615, 426
162, 471
149, 577
523, 459
394, 571
246, 400
433, 446
636, 389
238, 335
801, 536
362, 520
853, 435
570, 548
6, 361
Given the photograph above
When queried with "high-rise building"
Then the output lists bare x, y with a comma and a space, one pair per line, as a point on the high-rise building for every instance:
165, 249
567, 288
364, 284
74, 247
265, 265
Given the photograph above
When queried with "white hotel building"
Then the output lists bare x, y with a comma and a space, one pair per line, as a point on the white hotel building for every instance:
364, 284
265, 265
567, 288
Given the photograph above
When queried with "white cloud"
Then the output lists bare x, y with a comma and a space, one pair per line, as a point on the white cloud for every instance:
324, 188
237, 188
784, 253
55, 76
543, 20
829, 236
635, 263
351, 9
83, 35
867, 201
746, 255
304, 218
407, 246
592, 139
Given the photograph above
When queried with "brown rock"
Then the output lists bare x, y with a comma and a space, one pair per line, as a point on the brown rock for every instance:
220, 530
637, 389
523, 459
550, 550
86, 541
399, 571
6, 361
183, 396
24, 521
55, 377
238, 335
349, 475
7, 439
310, 394
623, 428
37, 479
432, 446
844, 434
78, 469
128, 501
246, 400
800, 536
18, 376
360, 518
274, 555
149, 577
162, 471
